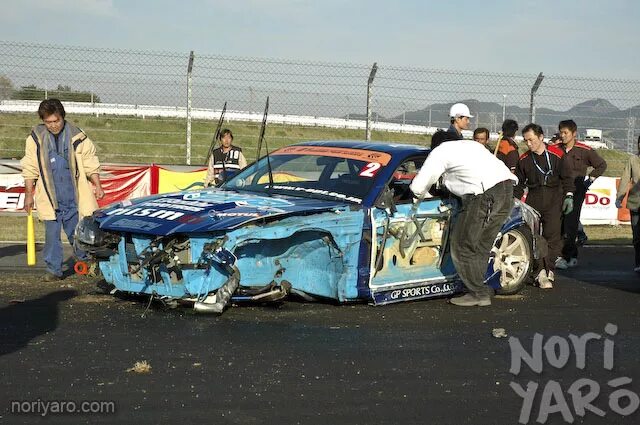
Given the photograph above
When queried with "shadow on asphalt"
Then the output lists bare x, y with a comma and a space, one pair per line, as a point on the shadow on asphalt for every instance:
12, 250
23, 321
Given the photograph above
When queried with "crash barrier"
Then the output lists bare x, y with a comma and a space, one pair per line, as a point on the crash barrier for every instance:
122, 182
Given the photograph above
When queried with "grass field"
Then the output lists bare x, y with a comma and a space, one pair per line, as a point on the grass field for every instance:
162, 140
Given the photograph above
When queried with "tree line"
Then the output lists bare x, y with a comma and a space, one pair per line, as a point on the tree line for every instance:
32, 92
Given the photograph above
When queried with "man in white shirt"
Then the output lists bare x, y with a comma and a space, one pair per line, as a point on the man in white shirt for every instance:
485, 187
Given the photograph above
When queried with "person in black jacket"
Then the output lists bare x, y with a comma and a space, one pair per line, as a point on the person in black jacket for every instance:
548, 178
460, 119
507, 149
579, 157
225, 157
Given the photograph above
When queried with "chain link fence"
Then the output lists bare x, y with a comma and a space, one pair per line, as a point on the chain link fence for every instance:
306, 95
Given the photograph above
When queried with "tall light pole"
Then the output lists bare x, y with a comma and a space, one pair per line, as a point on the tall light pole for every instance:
532, 105
504, 107
372, 75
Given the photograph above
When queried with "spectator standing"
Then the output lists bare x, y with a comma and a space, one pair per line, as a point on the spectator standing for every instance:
481, 135
58, 164
485, 187
548, 178
459, 116
630, 181
579, 157
225, 157
507, 148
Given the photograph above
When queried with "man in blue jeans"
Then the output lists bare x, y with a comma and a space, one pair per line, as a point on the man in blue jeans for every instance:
58, 164
485, 186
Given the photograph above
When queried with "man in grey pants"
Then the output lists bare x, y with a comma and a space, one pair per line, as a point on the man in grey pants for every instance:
485, 187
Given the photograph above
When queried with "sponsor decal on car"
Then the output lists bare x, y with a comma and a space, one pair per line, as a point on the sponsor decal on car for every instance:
417, 292
318, 192
347, 153
178, 204
133, 224
234, 214
147, 212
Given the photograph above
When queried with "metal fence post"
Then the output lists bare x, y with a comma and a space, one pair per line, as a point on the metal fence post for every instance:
532, 105
504, 107
189, 69
372, 75
630, 130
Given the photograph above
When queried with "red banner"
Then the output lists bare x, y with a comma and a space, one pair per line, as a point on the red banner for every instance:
119, 182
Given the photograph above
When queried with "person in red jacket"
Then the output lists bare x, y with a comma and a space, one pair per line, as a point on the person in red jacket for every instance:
550, 184
579, 157
507, 146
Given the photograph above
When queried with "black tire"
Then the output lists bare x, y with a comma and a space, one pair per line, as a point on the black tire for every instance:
521, 241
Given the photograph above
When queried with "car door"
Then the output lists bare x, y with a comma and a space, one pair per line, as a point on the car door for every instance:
410, 257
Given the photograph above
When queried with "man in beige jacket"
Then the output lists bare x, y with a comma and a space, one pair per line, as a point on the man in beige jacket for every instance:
631, 176
58, 163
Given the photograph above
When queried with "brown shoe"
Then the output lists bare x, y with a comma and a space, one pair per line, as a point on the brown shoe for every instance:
50, 277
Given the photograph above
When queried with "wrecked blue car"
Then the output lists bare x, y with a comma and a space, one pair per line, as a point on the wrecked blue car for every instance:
318, 220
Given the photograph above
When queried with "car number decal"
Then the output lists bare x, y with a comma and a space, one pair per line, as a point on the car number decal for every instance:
370, 169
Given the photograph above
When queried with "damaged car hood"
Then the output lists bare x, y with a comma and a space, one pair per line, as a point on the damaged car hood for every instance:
203, 211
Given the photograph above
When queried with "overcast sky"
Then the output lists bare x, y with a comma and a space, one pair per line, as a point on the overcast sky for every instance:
592, 38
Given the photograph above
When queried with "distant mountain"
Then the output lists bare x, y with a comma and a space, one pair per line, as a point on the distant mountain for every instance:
594, 113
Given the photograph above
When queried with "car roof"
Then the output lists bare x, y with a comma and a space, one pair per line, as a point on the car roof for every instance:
401, 149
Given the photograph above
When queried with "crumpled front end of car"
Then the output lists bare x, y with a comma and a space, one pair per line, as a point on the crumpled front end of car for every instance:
312, 255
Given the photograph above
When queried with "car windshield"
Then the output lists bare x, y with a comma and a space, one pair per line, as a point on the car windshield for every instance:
313, 172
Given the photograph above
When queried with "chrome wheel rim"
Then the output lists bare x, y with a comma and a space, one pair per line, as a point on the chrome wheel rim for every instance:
512, 258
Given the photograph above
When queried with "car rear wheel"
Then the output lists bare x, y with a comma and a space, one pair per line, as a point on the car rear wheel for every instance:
514, 259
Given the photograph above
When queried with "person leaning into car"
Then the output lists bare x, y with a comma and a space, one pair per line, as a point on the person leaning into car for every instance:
58, 163
548, 178
485, 187
225, 157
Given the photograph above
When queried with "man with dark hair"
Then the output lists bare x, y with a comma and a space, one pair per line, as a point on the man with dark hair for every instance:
507, 149
485, 187
481, 135
225, 157
543, 171
579, 157
459, 115
58, 163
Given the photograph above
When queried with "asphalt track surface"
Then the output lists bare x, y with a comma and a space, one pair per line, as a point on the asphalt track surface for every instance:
419, 362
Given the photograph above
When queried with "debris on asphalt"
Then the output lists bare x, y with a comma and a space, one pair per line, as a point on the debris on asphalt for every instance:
140, 367
499, 333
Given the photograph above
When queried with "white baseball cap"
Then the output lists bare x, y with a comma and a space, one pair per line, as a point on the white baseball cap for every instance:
460, 110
